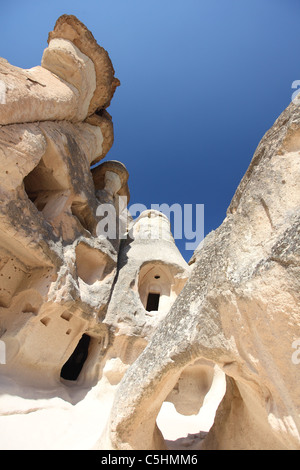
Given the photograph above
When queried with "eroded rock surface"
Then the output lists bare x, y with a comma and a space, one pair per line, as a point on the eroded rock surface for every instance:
240, 310
63, 351
100, 330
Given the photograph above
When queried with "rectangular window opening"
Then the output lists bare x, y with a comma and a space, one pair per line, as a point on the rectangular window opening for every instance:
152, 302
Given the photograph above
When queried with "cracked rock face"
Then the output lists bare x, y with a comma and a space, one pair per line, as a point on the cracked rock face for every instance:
99, 332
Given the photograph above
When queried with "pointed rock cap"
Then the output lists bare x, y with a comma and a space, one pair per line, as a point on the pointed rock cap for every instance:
98, 174
70, 28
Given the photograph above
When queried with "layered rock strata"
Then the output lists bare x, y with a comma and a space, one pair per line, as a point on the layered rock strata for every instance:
60, 270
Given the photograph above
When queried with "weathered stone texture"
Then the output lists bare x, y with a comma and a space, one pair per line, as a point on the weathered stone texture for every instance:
98, 332
240, 310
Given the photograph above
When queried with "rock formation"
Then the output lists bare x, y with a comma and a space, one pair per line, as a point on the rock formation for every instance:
99, 331
239, 310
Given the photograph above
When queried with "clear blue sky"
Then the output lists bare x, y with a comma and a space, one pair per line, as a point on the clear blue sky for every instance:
201, 82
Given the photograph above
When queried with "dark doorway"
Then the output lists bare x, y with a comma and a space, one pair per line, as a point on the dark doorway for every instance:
152, 302
72, 368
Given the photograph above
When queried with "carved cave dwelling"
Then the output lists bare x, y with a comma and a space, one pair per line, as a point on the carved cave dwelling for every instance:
118, 343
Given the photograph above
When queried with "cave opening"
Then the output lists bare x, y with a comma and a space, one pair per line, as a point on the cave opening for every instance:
73, 366
188, 412
152, 302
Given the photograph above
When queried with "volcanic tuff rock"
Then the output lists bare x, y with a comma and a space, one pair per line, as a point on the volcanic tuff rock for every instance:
100, 332
240, 310
61, 348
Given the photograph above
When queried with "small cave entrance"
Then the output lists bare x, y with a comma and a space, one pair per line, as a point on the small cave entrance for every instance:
155, 287
72, 368
152, 302
46, 190
188, 412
